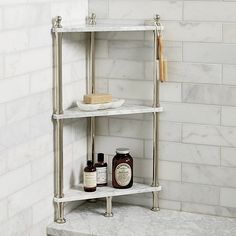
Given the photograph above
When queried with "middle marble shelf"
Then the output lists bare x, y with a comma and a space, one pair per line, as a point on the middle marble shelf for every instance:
124, 110
77, 193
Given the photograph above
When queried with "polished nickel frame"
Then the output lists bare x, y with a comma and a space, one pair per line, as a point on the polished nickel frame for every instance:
156, 103
58, 123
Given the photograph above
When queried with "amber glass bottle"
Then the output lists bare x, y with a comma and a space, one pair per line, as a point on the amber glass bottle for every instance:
101, 168
122, 169
90, 182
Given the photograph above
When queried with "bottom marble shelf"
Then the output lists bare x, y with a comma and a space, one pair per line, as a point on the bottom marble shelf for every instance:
130, 220
77, 193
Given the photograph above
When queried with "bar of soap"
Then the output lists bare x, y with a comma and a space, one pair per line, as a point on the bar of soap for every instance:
97, 98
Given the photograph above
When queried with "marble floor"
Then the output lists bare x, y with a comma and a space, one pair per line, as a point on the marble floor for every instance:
140, 221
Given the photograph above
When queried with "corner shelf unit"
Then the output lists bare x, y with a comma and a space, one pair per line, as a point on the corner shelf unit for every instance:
59, 115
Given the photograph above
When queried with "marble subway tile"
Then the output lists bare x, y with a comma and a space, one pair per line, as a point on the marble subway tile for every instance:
14, 88
25, 15
119, 69
208, 209
173, 51
193, 113
170, 92
36, 85
3, 212
74, 51
126, 10
3, 163
17, 225
229, 74
27, 61
101, 49
209, 94
102, 126
108, 145
194, 193
100, 7
39, 215
14, 134
39, 36
43, 166
130, 50
171, 205
188, 153
142, 90
229, 33
210, 135
143, 129
227, 197
228, 116
168, 170
200, 174
40, 124
30, 195
9, 44
199, 10
22, 154
228, 157
15, 180
71, 11
193, 31
194, 72
209, 53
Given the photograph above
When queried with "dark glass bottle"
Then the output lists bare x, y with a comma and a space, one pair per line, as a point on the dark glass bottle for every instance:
101, 168
122, 169
90, 182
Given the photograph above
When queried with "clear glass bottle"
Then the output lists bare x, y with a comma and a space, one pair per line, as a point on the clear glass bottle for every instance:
101, 168
122, 169
90, 177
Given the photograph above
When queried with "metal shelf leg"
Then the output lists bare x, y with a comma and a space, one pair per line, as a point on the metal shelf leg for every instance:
108, 212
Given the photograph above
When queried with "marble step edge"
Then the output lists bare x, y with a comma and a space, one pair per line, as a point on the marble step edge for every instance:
77, 193
124, 110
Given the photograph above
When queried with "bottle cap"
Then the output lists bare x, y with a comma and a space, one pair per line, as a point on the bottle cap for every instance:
122, 150
89, 163
100, 157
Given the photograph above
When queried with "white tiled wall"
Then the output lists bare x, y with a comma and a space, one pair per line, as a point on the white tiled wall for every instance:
26, 131
197, 130
198, 127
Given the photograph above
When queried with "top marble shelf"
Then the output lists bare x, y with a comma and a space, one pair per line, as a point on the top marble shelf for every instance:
106, 28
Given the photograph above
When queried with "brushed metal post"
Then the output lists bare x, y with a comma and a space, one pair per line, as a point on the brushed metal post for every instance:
155, 180
58, 124
91, 89
108, 212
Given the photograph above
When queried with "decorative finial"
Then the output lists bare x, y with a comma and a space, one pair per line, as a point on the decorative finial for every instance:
57, 22
157, 19
92, 19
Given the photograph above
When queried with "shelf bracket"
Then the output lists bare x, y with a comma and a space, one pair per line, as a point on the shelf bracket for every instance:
108, 212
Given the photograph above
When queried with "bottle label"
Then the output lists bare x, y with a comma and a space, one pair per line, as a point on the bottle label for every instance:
101, 175
90, 179
123, 174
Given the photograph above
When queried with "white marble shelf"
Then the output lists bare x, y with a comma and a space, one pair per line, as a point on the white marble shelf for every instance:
78, 193
123, 110
107, 28
130, 220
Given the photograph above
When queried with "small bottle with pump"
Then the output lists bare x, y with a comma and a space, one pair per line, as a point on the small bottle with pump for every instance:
101, 168
90, 176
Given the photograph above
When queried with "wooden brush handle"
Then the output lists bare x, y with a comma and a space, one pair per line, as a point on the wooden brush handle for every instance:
160, 54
